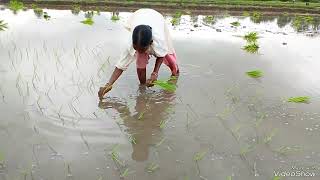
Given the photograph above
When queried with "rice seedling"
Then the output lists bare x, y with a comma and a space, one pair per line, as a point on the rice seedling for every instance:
209, 19
229, 177
255, 73
15, 5
159, 143
124, 173
152, 167
287, 149
141, 115
269, 137
199, 156
88, 21
246, 14
176, 18
46, 16
115, 18
115, 156
132, 139
256, 17
299, 99
84, 140
89, 14
162, 124
251, 48
236, 23
3, 25
251, 37
75, 9
165, 85
246, 149
38, 12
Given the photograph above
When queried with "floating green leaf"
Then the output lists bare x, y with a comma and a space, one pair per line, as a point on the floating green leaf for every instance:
236, 23
251, 48
299, 99
88, 21
254, 74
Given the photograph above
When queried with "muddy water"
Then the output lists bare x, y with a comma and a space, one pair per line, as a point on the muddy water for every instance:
53, 126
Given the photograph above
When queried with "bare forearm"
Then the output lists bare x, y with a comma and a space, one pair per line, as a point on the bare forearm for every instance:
115, 75
157, 65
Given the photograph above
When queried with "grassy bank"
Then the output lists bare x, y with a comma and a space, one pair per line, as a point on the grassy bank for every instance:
206, 5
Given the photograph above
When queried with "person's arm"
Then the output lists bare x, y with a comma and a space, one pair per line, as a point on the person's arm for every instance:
154, 74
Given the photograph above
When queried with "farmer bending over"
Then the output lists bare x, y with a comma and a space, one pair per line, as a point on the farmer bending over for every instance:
150, 37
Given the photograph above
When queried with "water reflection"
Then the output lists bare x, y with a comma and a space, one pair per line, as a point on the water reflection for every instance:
150, 110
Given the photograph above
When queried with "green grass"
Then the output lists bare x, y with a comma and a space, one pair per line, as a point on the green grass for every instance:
251, 48
88, 21
165, 85
3, 25
236, 23
255, 73
299, 99
251, 37
15, 5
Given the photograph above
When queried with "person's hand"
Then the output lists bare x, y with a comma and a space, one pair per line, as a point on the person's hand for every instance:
153, 78
104, 90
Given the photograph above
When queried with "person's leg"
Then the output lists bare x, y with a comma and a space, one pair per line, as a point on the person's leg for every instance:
171, 61
142, 61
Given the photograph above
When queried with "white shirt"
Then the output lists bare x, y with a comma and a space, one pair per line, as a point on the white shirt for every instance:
162, 43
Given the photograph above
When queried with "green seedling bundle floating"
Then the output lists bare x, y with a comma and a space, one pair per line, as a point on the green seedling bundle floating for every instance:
299, 99
168, 86
255, 73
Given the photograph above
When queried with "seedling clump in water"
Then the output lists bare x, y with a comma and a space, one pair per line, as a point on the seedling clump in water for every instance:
251, 37
251, 48
115, 18
254, 74
299, 99
176, 19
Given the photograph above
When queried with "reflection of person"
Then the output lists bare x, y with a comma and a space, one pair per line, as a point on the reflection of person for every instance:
142, 126
150, 36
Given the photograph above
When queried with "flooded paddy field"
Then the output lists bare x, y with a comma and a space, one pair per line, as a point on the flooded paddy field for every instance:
229, 118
